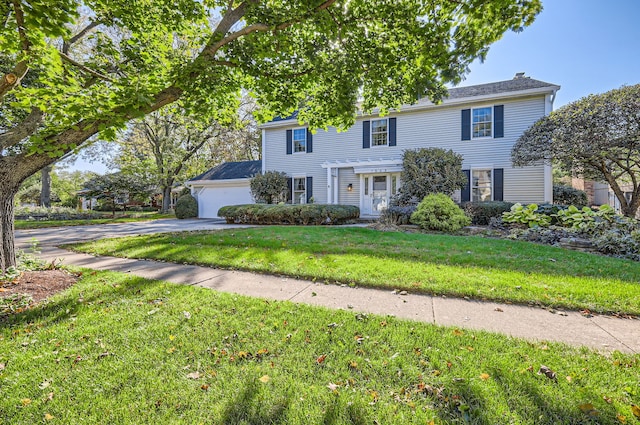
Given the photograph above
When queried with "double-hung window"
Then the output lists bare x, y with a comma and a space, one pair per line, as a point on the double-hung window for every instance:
481, 185
379, 132
299, 190
299, 140
482, 120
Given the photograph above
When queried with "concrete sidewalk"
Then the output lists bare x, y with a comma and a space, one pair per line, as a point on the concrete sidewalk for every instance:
603, 333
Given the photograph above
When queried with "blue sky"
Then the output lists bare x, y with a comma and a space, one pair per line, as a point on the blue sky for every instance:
585, 46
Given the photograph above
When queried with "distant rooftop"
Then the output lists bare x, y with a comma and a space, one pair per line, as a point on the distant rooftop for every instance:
231, 170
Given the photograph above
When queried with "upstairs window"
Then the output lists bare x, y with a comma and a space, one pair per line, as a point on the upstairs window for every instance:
379, 132
482, 120
299, 140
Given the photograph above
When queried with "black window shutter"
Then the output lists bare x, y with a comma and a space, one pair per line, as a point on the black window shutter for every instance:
309, 188
465, 194
498, 121
309, 141
466, 124
498, 184
290, 191
366, 134
289, 142
392, 132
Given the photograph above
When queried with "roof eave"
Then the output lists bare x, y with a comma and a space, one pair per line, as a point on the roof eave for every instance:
551, 89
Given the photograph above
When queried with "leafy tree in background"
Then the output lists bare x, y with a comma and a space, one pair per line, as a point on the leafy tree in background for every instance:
168, 146
118, 188
97, 64
596, 137
427, 171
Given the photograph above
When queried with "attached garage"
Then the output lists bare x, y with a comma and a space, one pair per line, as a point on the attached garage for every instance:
225, 184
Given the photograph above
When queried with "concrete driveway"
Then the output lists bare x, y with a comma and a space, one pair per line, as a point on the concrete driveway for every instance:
62, 235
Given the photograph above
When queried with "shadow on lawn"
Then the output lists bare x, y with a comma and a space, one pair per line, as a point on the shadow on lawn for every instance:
248, 407
528, 404
65, 305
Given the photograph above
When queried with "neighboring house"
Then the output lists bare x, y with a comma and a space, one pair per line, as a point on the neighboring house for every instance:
601, 193
361, 166
225, 184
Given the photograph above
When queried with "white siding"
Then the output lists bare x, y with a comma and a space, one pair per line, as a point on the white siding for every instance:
435, 127
346, 176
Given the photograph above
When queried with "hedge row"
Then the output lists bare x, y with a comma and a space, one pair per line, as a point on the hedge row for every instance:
481, 213
306, 214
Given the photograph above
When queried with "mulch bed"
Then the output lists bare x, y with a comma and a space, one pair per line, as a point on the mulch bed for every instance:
39, 285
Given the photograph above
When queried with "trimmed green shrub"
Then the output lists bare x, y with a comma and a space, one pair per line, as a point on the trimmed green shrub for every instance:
429, 170
439, 212
305, 214
397, 215
186, 207
270, 187
567, 195
481, 213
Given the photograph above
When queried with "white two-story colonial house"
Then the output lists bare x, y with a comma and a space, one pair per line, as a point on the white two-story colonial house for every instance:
362, 165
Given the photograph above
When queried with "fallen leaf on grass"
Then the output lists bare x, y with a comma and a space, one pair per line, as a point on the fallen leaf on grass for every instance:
193, 375
332, 386
48, 417
2, 366
569, 378
321, 359
621, 419
264, 379
458, 332
635, 410
589, 409
25, 401
204, 387
484, 376
547, 372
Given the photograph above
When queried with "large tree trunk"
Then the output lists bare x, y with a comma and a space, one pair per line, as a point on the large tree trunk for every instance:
7, 251
45, 192
166, 198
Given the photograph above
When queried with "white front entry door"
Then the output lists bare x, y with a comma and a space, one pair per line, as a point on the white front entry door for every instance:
375, 197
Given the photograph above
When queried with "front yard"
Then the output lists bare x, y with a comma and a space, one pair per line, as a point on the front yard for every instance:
482, 268
119, 349
108, 218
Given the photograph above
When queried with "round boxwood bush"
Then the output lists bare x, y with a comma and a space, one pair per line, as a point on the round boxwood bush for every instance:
439, 212
186, 206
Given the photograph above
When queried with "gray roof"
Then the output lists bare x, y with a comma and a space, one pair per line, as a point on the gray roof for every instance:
516, 84
231, 170
519, 83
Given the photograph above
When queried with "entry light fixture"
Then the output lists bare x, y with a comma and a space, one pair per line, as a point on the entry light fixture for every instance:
350, 187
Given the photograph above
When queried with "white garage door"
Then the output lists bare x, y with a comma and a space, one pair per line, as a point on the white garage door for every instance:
210, 199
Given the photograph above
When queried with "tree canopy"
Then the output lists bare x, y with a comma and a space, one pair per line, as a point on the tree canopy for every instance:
71, 69
596, 137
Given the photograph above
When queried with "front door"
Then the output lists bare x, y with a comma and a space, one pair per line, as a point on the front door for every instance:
375, 194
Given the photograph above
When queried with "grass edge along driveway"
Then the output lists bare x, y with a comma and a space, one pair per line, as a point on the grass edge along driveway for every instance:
476, 267
120, 349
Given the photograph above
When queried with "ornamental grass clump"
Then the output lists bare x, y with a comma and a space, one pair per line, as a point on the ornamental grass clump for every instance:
439, 212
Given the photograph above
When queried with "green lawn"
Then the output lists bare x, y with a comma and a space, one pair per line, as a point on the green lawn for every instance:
118, 349
108, 218
482, 268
